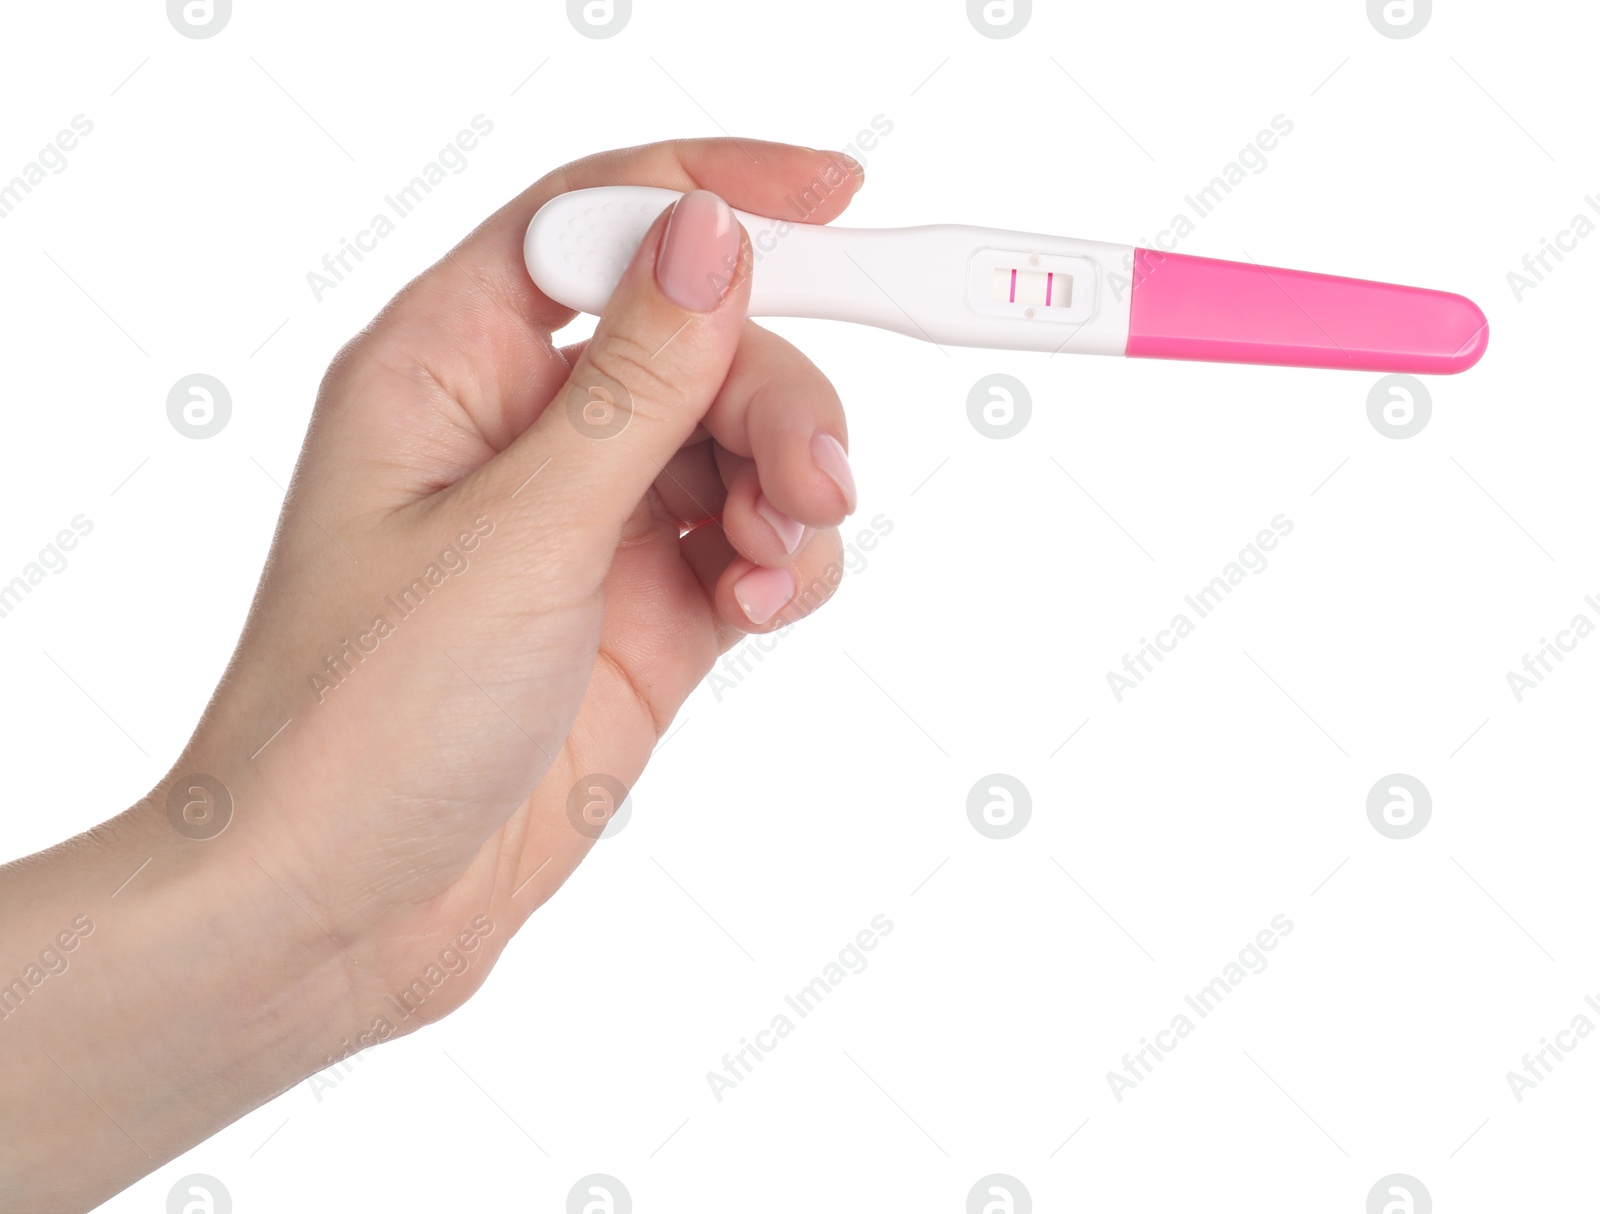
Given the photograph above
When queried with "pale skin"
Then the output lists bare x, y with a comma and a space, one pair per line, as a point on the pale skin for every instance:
425, 783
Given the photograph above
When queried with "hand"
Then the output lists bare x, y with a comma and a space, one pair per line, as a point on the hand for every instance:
428, 783
500, 569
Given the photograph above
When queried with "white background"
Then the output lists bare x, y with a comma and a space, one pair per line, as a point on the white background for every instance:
827, 786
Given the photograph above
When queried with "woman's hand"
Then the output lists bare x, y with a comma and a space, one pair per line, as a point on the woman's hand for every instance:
500, 569
425, 781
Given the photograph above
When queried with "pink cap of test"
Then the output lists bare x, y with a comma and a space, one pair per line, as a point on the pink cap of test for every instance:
1238, 312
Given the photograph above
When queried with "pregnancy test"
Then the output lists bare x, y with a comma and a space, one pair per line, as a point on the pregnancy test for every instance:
956, 285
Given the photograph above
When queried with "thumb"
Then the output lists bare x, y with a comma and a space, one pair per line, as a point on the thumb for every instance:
656, 361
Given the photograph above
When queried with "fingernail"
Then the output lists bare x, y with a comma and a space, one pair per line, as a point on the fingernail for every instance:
790, 531
699, 252
830, 457
762, 592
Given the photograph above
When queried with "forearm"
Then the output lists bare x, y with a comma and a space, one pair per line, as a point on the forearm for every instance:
500, 570
152, 989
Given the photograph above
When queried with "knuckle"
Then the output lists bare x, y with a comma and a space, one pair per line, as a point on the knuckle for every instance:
628, 362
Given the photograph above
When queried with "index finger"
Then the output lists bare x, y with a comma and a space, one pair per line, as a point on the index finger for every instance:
804, 185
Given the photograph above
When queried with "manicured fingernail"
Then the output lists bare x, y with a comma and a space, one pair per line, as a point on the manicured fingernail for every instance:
762, 592
830, 457
699, 252
790, 531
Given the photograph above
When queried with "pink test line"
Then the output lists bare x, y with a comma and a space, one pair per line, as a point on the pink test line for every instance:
1013, 286
1049, 282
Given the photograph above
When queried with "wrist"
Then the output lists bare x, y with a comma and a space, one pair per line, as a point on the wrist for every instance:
163, 986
